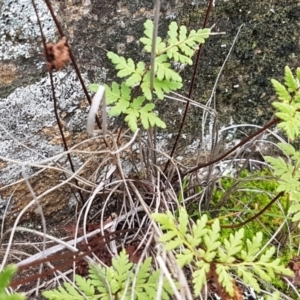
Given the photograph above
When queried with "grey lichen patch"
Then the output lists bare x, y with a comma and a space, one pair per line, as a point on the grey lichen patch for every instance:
27, 111
19, 31
29, 135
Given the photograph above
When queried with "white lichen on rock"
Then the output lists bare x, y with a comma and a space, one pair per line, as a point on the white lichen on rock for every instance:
19, 31
25, 112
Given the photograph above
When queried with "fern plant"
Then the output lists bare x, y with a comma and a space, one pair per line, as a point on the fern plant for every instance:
288, 177
5, 278
201, 246
288, 112
115, 282
179, 47
288, 108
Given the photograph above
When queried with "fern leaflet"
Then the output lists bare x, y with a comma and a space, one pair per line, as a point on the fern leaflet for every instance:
203, 248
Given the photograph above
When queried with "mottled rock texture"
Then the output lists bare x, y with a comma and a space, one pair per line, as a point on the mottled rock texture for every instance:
268, 40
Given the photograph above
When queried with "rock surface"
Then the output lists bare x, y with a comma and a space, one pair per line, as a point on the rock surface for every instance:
268, 40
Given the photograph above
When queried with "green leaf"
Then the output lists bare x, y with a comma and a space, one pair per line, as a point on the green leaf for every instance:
298, 73
168, 236
93, 87
147, 40
119, 108
66, 293
132, 119
122, 267
248, 278
18, 296
163, 70
182, 33
183, 221
85, 285
285, 109
6, 276
225, 279
120, 96
183, 46
162, 87
185, 257
211, 241
112, 94
290, 81
232, 247
199, 276
172, 33
253, 246
126, 67
166, 220
297, 97
199, 230
289, 150
261, 273
136, 77
267, 255
280, 165
150, 118
173, 244
144, 273
281, 91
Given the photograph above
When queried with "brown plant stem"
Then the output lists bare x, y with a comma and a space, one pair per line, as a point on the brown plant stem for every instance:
244, 141
55, 103
70, 258
73, 60
208, 11
256, 215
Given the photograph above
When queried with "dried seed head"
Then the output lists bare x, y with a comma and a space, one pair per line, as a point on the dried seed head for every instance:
57, 55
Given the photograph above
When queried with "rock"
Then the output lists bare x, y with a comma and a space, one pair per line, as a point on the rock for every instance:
28, 128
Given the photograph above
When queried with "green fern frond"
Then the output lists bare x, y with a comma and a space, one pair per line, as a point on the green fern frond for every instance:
225, 279
115, 282
288, 110
200, 276
232, 247
281, 91
180, 47
163, 70
150, 118
147, 40
185, 257
206, 252
290, 81
164, 87
119, 95
126, 67
289, 150
122, 267
248, 277
252, 247
64, 293
289, 175
6, 276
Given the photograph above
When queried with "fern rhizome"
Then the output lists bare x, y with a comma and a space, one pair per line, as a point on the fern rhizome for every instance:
179, 47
